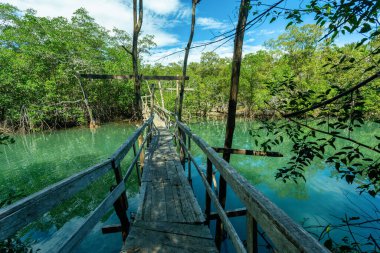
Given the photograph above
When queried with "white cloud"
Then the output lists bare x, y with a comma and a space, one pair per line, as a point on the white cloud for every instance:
266, 32
158, 7
262, 32
113, 13
210, 24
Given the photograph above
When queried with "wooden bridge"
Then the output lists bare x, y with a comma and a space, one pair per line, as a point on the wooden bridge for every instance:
169, 218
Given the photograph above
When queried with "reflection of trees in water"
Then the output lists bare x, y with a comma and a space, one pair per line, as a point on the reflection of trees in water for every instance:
33, 177
358, 230
82, 204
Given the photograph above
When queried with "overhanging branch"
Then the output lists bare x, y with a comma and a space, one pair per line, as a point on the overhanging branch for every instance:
329, 101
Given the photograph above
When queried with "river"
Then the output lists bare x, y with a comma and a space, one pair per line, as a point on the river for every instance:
37, 160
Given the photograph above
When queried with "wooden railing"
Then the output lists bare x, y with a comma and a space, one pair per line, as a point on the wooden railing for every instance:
282, 231
21, 213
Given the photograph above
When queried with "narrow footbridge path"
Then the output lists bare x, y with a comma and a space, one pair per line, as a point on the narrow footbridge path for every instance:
169, 218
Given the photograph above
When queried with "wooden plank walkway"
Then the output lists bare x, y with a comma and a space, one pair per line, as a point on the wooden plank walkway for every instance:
168, 219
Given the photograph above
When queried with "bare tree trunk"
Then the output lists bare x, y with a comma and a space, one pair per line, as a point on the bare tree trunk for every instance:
232, 104
187, 51
137, 22
85, 99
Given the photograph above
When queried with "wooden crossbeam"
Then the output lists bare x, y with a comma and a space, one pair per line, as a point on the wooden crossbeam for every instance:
130, 77
247, 152
233, 213
174, 89
109, 229
116, 228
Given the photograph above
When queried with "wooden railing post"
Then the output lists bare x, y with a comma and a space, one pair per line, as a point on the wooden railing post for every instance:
222, 201
152, 100
188, 160
208, 199
252, 245
137, 164
121, 204
182, 154
142, 154
151, 114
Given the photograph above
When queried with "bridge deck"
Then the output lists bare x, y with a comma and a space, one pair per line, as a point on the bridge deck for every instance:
169, 218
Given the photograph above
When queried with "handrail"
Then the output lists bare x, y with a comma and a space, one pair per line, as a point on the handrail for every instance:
239, 246
30, 208
281, 229
285, 234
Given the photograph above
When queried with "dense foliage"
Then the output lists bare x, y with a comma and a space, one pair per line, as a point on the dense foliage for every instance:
40, 58
295, 64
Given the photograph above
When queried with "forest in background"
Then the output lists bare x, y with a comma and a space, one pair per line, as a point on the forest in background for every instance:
40, 88
42, 57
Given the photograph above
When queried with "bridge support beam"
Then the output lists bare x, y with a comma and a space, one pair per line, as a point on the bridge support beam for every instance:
121, 204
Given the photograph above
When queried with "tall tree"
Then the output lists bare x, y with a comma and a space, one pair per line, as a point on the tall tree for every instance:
230, 127
187, 51
137, 23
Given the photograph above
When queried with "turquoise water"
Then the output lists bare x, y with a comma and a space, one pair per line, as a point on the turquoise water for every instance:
38, 160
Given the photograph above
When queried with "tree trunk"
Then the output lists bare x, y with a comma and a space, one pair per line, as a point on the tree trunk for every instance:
137, 22
89, 110
187, 51
236, 63
232, 104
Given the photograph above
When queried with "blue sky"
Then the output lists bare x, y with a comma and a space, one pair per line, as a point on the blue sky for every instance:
169, 22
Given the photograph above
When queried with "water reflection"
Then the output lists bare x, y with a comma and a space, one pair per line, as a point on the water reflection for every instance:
322, 200
38, 160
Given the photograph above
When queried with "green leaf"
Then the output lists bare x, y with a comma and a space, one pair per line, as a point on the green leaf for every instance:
366, 27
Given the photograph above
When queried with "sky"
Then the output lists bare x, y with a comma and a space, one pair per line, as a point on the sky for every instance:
169, 22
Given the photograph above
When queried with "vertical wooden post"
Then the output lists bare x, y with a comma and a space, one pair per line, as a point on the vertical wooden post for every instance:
177, 97
121, 204
208, 199
232, 104
161, 94
151, 114
222, 200
152, 100
252, 244
142, 154
182, 153
137, 164
189, 160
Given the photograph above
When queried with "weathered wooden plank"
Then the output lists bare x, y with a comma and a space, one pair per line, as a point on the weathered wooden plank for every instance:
174, 89
197, 214
201, 231
110, 229
247, 152
75, 238
171, 210
186, 207
239, 247
168, 207
24, 211
147, 208
158, 202
281, 229
230, 213
142, 197
131, 77
150, 239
